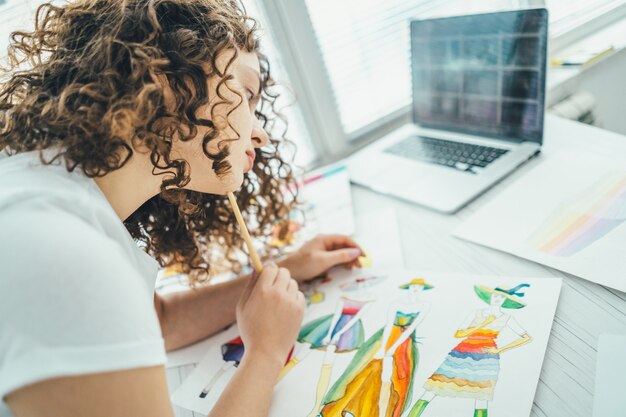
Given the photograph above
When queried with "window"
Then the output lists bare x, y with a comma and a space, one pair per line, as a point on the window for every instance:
286, 104
19, 15
364, 46
15, 15
566, 15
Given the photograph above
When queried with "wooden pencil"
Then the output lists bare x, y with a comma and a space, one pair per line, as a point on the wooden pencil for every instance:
256, 261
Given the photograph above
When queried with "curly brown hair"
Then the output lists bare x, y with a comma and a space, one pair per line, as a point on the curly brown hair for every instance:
89, 93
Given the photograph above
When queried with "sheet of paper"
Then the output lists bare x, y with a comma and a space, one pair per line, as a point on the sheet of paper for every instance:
452, 343
567, 213
609, 399
328, 201
326, 207
378, 234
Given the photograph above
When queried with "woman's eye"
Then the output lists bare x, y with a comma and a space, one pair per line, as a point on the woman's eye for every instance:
249, 95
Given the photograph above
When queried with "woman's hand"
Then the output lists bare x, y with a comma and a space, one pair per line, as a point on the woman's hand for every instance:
269, 316
320, 254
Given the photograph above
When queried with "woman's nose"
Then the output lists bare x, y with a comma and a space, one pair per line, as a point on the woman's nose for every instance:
259, 135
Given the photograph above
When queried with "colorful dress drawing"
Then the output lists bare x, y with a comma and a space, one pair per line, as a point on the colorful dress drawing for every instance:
472, 367
232, 352
316, 331
468, 371
341, 331
364, 390
357, 391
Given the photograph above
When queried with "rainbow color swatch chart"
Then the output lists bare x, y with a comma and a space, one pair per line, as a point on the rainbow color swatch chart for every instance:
567, 213
595, 213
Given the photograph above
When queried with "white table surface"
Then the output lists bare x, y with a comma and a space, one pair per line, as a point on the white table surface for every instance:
585, 309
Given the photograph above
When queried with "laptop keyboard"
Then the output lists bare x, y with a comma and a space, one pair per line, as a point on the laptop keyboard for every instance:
457, 155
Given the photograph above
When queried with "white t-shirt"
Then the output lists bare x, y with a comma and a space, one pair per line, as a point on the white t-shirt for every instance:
76, 292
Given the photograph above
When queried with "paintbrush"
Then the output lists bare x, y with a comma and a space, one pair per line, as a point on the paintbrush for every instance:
256, 261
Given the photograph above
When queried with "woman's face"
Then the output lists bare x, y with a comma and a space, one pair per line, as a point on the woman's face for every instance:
241, 124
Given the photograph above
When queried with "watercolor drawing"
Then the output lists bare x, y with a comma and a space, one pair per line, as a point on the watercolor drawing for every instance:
232, 353
379, 379
339, 332
471, 368
467, 347
588, 218
311, 289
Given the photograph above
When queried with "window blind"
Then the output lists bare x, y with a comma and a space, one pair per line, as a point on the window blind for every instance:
565, 15
365, 45
20, 15
286, 104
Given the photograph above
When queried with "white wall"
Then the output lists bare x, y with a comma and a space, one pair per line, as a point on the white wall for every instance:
606, 81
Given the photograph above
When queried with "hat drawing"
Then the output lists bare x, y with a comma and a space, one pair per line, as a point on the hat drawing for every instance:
512, 295
416, 281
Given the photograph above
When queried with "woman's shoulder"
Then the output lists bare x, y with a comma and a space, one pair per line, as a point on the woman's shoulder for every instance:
74, 301
46, 249
52, 216
41, 227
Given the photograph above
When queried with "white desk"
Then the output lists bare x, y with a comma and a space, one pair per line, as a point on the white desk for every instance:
585, 310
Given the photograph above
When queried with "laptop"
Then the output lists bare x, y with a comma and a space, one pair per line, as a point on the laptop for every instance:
478, 110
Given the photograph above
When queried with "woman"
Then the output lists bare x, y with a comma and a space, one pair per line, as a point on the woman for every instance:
133, 119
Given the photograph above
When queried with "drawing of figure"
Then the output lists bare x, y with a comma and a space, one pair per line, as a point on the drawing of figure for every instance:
378, 381
339, 332
232, 352
471, 369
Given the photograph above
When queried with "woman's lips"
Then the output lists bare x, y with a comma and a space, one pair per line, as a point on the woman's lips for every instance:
251, 156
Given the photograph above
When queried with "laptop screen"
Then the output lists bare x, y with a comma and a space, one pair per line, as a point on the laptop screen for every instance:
481, 74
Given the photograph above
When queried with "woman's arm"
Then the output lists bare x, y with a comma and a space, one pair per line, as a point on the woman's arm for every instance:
192, 315
270, 313
134, 392
141, 392
249, 392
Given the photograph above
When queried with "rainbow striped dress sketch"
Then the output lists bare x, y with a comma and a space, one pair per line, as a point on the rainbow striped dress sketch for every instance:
468, 371
357, 391
315, 331
588, 218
